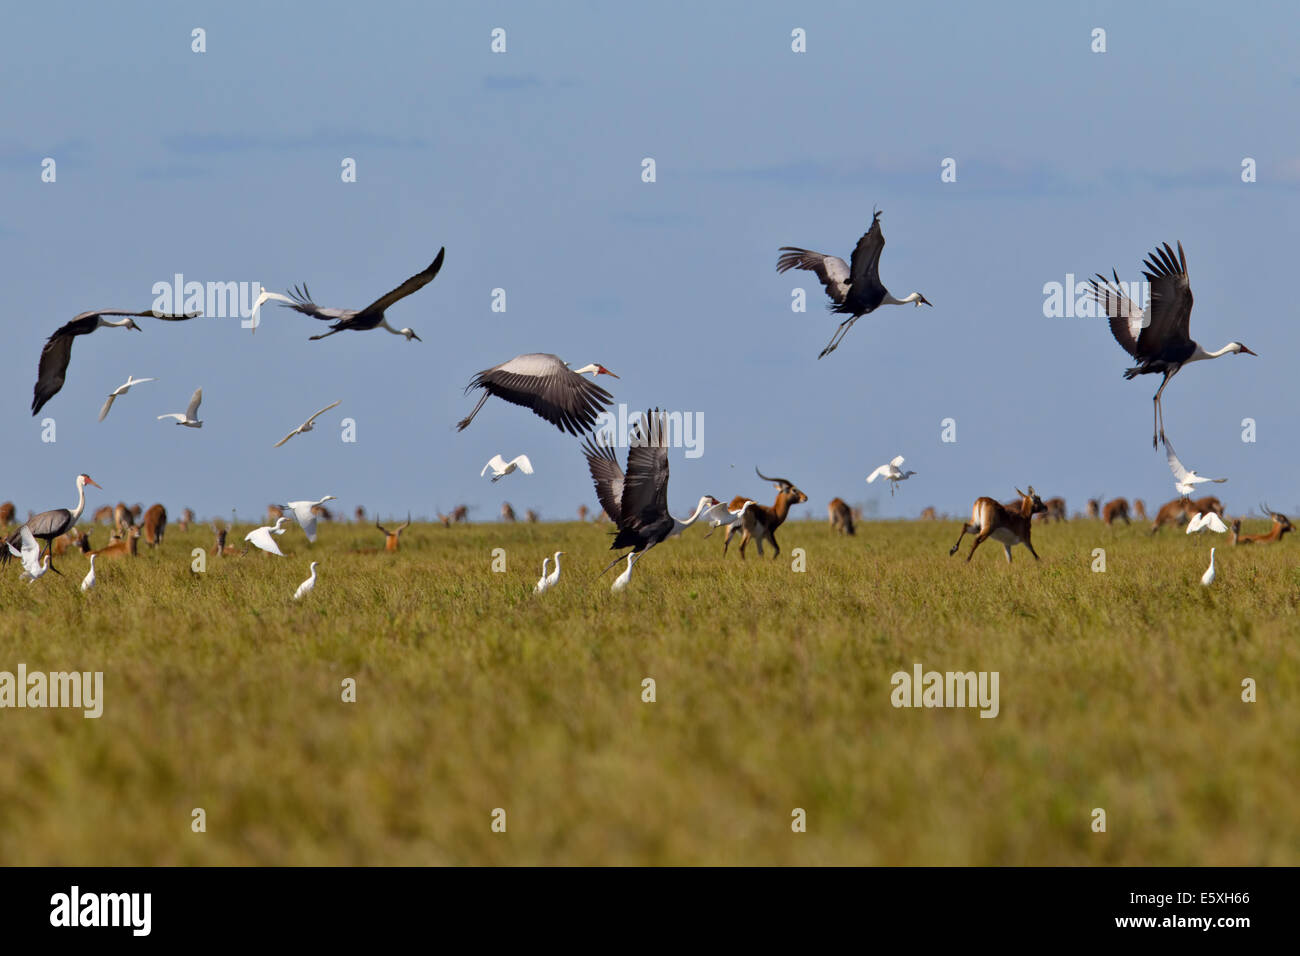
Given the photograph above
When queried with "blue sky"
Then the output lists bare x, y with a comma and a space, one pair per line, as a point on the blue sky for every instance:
225, 166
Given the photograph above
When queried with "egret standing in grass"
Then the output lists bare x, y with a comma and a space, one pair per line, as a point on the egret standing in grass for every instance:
1208, 577
620, 582
553, 578
307, 586
88, 581
542, 583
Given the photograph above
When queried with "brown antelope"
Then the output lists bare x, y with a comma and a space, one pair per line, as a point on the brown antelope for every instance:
391, 537
360, 514
1174, 512
1055, 510
155, 525
1281, 525
136, 511
841, 516
104, 515
1094, 506
73, 539
1115, 510
122, 518
6, 514
929, 514
187, 519
128, 548
323, 513
445, 519
220, 549
1140, 509
761, 522
273, 513
582, 512
1207, 504
1004, 525
507, 512
460, 514
531, 516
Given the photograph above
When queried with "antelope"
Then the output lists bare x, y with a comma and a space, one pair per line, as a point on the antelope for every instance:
1114, 511
460, 514
6, 514
155, 524
841, 516
531, 516
1174, 512
582, 512
929, 514
1280, 527
73, 539
1008, 527
1140, 509
122, 517
273, 512
187, 519
507, 512
360, 514
391, 537
220, 549
136, 510
445, 519
320, 511
761, 522
103, 515
1055, 510
121, 548
1094, 506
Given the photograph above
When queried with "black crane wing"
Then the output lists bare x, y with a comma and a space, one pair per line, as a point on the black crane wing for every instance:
608, 477
1171, 303
542, 382
413, 284
645, 495
865, 288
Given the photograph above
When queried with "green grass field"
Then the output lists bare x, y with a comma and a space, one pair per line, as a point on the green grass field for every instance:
1119, 690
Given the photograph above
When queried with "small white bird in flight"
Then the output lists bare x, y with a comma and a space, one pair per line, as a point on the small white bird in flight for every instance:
88, 581
303, 514
542, 583
30, 555
719, 514
1185, 481
307, 425
1208, 577
500, 467
188, 419
121, 390
620, 582
1209, 520
261, 537
266, 295
306, 586
893, 472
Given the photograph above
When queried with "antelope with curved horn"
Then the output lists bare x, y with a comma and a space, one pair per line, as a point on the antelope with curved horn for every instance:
989, 519
392, 538
758, 521
1281, 525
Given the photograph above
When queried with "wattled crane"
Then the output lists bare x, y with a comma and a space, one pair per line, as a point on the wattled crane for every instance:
48, 525
544, 383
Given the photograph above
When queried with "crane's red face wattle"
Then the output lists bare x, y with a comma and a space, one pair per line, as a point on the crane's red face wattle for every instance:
86, 479
601, 370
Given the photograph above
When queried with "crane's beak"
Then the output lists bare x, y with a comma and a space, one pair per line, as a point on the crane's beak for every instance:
92, 481
925, 301
1249, 352
416, 337
605, 371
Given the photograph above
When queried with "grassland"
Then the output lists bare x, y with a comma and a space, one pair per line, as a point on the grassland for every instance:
1119, 690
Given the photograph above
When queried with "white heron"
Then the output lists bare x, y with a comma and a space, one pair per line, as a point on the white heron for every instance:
266, 296
304, 513
1208, 521
544, 383
88, 581
308, 424
620, 582
542, 583
1161, 341
121, 390
261, 537
856, 289
1208, 577
1185, 481
500, 467
30, 555
719, 514
188, 419
306, 586
892, 472
553, 578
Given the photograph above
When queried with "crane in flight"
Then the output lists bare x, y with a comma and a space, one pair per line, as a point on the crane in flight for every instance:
1159, 337
372, 316
854, 287
545, 383
57, 352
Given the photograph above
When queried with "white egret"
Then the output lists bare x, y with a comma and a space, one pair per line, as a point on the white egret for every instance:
261, 537
303, 512
121, 390
620, 582
188, 419
306, 586
542, 584
500, 467
892, 472
308, 424
1208, 577
266, 296
88, 581
1185, 481
30, 555
1207, 521
554, 576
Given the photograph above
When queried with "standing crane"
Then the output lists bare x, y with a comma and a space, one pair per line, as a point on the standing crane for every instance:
57, 351
372, 316
48, 525
1160, 341
855, 288
637, 501
545, 383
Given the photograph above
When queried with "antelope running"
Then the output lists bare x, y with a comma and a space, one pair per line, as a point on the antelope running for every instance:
1009, 528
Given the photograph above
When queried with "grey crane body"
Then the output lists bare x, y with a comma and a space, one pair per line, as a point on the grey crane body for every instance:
544, 383
372, 316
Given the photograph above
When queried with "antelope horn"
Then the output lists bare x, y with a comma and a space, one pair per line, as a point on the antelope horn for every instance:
1021, 493
780, 481
381, 528
406, 524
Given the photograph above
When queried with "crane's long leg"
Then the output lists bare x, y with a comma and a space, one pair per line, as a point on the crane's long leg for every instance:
1159, 413
323, 335
839, 334
464, 422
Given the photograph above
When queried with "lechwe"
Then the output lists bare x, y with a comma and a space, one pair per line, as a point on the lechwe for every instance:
1009, 528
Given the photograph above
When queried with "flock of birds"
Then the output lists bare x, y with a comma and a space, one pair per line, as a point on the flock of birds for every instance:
635, 497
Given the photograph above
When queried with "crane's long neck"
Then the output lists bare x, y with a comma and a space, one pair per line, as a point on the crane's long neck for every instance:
81, 502
1200, 354
890, 300
680, 525
113, 323
383, 324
